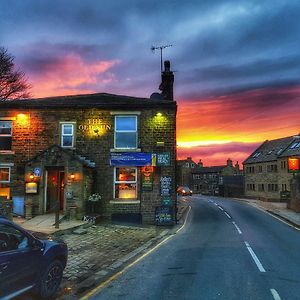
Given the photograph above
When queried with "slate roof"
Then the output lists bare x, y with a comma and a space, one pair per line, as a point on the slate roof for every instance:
73, 154
100, 100
293, 149
273, 149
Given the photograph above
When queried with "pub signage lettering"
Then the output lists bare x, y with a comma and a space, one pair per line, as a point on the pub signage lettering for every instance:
95, 124
137, 159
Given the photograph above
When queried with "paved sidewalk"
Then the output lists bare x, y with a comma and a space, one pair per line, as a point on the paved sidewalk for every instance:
277, 208
97, 252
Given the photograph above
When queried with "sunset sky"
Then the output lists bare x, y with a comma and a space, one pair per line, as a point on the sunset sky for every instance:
236, 63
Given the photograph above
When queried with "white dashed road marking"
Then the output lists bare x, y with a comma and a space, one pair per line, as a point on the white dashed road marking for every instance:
275, 294
227, 215
237, 228
255, 258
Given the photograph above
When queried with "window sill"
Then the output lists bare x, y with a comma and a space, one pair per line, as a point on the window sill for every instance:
124, 201
7, 152
125, 150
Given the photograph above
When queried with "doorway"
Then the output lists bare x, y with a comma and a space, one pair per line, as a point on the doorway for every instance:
54, 189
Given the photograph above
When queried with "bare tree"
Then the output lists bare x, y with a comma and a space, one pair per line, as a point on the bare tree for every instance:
13, 83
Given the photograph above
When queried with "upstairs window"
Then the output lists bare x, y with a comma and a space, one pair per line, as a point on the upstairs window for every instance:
125, 132
67, 135
5, 135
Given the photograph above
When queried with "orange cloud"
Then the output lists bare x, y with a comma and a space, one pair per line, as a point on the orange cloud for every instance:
240, 119
71, 75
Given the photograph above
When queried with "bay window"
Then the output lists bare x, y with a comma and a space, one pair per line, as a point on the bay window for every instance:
125, 183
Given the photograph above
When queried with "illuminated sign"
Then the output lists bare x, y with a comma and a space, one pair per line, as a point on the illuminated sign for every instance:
95, 127
31, 188
293, 164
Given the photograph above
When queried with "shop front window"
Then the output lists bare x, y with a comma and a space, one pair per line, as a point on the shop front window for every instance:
5, 135
126, 132
5, 192
125, 183
4, 174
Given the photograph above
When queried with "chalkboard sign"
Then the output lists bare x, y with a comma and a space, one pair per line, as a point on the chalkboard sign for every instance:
164, 215
165, 185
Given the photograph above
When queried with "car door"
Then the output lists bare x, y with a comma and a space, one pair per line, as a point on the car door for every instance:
19, 262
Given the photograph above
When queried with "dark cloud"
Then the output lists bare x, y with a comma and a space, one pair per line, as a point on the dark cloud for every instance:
218, 46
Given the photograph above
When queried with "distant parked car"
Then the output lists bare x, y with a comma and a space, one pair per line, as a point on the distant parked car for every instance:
29, 263
184, 191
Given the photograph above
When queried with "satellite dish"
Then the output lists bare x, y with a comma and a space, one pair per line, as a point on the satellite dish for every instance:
156, 96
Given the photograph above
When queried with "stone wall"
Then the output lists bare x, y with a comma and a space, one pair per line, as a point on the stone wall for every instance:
43, 131
261, 175
294, 202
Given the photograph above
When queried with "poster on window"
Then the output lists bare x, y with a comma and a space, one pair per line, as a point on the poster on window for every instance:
165, 185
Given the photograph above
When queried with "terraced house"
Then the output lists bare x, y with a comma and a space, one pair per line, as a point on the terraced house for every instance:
71, 150
266, 169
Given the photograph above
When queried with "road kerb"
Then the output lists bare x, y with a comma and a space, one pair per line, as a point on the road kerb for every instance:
116, 275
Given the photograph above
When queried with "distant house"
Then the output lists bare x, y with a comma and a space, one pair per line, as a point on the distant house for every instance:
266, 169
184, 170
210, 180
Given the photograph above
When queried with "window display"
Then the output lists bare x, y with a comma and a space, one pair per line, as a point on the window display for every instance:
125, 183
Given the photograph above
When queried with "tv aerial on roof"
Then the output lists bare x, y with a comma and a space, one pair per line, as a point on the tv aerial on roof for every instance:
153, 48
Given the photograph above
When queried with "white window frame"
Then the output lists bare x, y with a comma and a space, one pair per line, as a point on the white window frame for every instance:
10, 120
129, 131
62, 135
9, 174
130, 182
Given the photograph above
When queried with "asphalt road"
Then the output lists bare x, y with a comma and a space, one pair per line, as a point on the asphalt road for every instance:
227, 250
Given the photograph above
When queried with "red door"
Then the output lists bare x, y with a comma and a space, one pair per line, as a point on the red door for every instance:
55, 189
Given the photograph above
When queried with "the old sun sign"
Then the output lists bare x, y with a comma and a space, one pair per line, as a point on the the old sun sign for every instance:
293, 164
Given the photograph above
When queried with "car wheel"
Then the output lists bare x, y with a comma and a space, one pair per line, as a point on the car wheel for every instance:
51, 279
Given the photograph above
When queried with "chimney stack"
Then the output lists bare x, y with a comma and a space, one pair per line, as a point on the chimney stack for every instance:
167, 81
229, 162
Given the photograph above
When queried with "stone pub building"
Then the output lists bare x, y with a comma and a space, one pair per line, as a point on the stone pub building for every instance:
62, 150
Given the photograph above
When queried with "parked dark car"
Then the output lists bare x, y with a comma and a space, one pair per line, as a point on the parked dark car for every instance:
184, 191
29, 263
